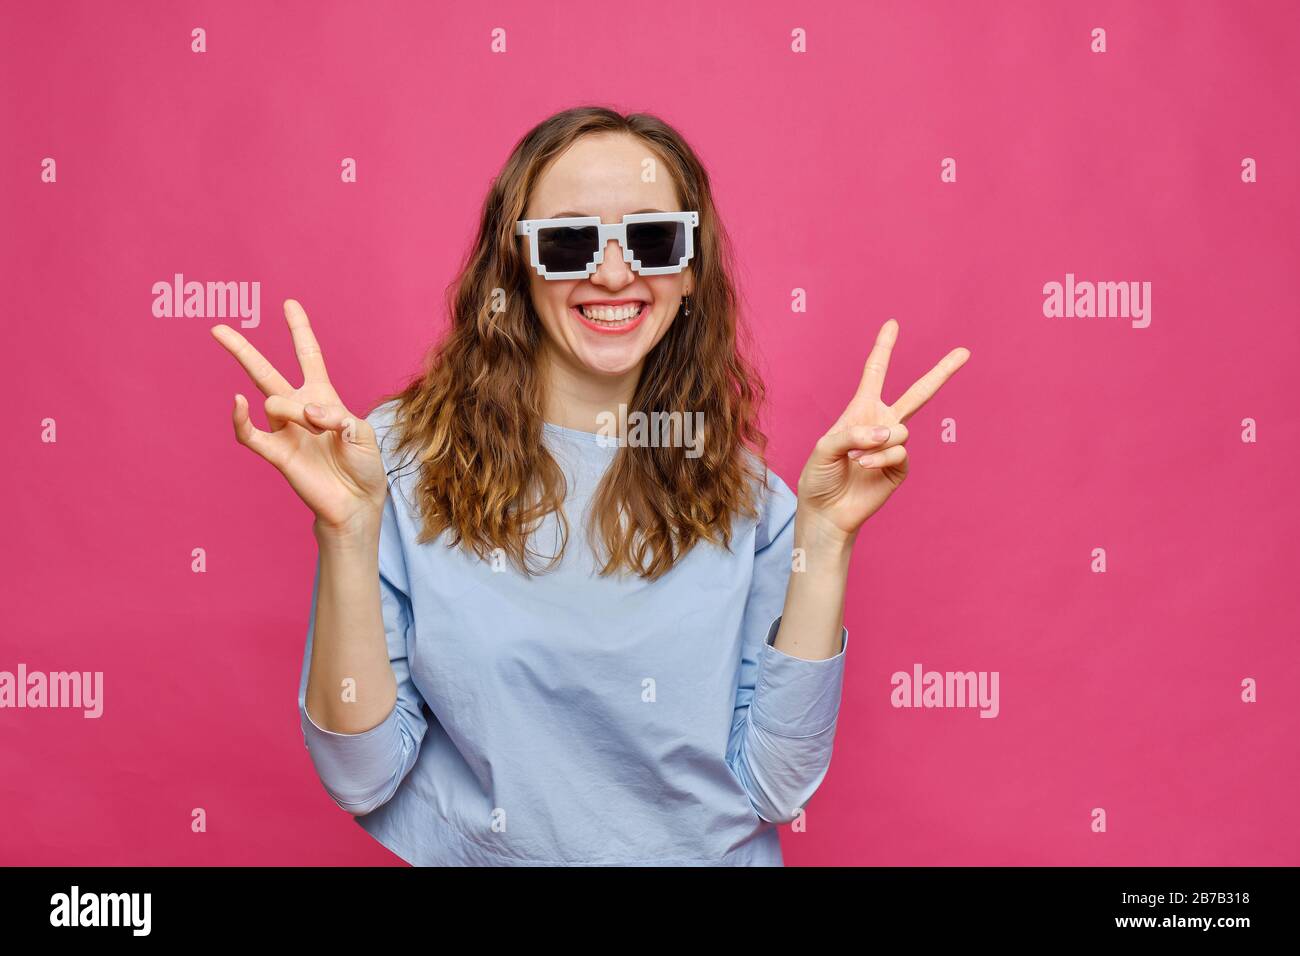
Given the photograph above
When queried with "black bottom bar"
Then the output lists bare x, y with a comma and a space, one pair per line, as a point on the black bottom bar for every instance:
1173, 906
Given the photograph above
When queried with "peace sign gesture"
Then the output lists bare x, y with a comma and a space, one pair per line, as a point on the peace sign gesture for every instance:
856, 465
329, 456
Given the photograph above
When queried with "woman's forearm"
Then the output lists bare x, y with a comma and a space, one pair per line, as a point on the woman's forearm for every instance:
350, 685
813, 618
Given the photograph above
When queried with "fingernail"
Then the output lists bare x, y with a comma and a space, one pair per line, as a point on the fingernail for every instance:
856, 453
315, 411
880, 432
866, 460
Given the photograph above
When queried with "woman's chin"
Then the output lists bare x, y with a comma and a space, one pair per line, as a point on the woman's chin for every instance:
609, 355
610, 362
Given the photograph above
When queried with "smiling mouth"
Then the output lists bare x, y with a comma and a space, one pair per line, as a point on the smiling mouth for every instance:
612, 318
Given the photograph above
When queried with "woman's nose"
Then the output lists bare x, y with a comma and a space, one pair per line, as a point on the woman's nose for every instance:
613, 272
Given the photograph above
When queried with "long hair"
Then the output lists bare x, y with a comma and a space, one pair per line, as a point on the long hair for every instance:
473, 418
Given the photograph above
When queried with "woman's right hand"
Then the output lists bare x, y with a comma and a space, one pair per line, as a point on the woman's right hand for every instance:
329, 455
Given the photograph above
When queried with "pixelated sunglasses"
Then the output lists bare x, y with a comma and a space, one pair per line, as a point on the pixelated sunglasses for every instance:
653, 243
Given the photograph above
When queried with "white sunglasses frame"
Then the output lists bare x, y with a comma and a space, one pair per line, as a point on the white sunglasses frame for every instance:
608, 231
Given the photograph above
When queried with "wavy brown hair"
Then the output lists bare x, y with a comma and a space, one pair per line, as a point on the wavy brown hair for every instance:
473, 419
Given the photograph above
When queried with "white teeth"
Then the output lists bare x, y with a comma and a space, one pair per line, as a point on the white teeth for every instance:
611, 314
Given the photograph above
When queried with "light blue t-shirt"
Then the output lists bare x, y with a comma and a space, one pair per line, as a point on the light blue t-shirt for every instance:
570, 719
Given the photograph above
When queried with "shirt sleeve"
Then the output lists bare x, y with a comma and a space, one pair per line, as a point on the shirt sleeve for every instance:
786, 707
361, 772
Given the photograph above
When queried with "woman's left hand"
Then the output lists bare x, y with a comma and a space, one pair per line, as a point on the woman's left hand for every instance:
856, 465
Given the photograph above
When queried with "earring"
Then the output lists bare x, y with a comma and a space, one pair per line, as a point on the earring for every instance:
686, 300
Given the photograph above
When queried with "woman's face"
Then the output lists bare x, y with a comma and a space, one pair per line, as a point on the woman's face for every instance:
600, 174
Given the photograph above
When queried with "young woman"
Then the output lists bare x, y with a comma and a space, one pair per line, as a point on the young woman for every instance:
481, 686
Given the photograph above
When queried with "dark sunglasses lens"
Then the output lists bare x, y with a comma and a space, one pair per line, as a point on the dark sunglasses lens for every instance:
566, 249
657, 245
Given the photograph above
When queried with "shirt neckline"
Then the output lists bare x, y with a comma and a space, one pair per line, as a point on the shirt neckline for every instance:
594, 438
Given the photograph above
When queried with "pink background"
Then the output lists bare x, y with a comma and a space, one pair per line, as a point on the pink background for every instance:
1118, 690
